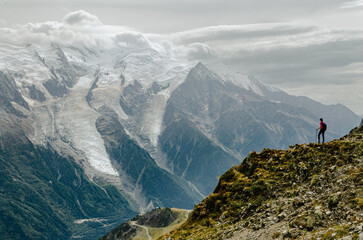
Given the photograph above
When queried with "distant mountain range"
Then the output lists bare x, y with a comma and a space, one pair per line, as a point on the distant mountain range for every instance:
91, 137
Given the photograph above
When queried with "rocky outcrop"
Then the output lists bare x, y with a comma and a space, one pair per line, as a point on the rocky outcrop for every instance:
160, 217
159, 221
9, 94
309, 191
36, 94
55, 88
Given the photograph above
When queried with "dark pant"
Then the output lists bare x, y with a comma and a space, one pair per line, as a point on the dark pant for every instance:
322, 133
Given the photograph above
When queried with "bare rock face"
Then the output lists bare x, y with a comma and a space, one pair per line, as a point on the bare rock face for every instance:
36, 94
9, 93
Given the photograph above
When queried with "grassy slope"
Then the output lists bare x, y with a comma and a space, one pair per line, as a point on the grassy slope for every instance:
307, 191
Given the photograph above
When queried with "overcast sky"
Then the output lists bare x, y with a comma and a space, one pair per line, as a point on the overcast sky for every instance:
312, 47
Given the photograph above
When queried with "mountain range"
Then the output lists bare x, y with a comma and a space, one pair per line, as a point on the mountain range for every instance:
91, 137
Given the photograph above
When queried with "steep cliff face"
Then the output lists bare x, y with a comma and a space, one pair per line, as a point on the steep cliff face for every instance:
307, 191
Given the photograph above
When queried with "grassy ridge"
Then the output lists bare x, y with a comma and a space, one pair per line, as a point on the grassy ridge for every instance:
309, 190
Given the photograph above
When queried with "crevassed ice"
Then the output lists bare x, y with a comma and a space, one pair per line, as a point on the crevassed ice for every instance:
87, 139
76, 120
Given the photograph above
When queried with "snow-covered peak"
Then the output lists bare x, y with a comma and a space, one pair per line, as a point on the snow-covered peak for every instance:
150, 66
243, 80
261, 86
227, 74
24, 63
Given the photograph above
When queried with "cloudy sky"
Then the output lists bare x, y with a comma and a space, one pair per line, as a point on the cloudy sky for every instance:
311, 48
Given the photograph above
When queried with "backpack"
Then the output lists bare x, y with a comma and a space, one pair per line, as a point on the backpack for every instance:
324, 126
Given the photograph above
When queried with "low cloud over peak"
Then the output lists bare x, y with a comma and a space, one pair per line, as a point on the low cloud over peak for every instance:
81, 17
132, 40
199, 51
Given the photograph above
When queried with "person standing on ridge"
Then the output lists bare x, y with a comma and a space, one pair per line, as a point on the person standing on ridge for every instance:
322, 130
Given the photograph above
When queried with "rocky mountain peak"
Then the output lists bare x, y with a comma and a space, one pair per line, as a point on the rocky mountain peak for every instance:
200, 71
200, 65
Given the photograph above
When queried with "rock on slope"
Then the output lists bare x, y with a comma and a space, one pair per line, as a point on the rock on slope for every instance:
309, 191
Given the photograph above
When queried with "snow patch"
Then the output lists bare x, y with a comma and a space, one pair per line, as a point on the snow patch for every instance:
84, 83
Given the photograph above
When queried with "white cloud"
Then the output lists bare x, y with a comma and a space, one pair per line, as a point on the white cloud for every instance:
81, 17
132, 40
230, 40
42, 33
78, 26
235, 32
83, 27
352, 4
199, 51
